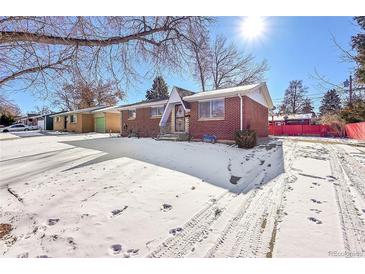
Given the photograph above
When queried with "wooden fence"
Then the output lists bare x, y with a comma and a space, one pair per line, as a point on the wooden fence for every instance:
302, 130
356, 131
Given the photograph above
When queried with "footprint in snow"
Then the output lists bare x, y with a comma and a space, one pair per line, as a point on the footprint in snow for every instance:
315, 220
363, 210
53, 221
316, 201
116, 249
166, 207
116, 212
131, 252
175, 231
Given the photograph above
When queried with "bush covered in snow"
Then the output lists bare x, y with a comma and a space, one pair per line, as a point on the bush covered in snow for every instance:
245, 138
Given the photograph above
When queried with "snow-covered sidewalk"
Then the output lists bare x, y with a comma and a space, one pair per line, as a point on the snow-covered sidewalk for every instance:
91, 195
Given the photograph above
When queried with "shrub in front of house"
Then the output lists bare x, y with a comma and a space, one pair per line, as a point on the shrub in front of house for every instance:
245, 138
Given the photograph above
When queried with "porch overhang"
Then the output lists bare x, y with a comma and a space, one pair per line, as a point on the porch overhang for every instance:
173, 100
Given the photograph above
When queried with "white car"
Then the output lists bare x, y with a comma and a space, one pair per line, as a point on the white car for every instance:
16, 127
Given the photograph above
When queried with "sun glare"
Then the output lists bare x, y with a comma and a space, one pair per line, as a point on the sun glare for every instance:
253, 27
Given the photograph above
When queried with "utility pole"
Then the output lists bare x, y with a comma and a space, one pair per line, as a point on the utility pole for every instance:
348, 83
350, 91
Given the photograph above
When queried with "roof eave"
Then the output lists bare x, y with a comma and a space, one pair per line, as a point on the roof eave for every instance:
147, 104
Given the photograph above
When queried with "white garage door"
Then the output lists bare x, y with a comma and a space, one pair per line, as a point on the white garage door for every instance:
41, 124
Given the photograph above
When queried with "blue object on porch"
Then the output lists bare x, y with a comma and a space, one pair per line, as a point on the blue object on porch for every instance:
209, 138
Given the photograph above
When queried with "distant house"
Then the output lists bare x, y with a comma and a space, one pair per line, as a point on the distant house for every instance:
291, 119
94, 119
217, 112
45, 121
30, 119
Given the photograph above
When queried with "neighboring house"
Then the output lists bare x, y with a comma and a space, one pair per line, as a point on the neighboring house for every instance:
95, 119
291, 119
217, 112
45, 121
31, 119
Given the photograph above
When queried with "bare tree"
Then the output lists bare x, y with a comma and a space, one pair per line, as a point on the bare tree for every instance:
41, 50
201, 60
8, 107
81, 94
294, 98
231, 67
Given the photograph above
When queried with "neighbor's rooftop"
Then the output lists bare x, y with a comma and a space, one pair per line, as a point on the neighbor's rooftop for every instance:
86, 110
298, 116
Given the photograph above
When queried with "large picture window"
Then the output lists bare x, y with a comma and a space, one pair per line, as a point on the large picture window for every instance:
132, 114
157, 111
211, 109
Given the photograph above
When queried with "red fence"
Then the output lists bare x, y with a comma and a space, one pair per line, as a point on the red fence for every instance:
300, 130
356, 131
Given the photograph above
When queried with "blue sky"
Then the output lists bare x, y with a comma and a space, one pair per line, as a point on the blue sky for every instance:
293, 47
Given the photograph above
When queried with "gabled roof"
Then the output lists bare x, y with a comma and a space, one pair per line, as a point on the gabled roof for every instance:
183, 92
233, 91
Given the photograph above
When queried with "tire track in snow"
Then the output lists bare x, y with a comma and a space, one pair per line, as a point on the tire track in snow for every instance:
354, 170
243, 235
193, 231
353, 228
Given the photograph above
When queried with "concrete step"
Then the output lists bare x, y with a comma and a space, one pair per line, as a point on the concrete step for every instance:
174, 137
167, 138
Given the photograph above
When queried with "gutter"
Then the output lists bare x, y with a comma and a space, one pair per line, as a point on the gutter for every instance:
241, 108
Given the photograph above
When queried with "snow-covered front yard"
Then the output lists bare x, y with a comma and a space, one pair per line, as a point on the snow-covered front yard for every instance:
92, 195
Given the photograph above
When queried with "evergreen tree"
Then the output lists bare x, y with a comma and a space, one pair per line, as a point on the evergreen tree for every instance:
294, 97
331, 102
159, 89
307, 106
354, 114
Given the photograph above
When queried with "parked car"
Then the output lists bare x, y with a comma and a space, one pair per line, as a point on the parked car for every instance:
15, 127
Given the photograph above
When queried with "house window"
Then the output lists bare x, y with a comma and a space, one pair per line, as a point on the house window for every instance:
73, 118
132, 114
157, 111
58, 119
212, 109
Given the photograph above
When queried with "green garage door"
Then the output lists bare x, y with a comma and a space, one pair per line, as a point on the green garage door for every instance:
100, 124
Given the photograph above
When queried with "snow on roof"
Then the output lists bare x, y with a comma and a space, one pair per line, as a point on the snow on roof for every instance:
83, 110
143, 103
233, 91
298, 116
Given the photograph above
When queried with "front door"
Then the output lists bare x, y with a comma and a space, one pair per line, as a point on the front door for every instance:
65, 122
179, 118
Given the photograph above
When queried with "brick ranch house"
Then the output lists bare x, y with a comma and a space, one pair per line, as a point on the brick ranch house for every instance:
95, 119
217, 112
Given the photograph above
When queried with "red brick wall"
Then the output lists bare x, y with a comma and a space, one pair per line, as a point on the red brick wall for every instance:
254, 115
223, 129
144, 124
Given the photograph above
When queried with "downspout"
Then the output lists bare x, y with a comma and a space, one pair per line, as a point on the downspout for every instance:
241, 108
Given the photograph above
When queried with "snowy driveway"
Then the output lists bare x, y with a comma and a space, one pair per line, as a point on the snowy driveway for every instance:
95, 196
